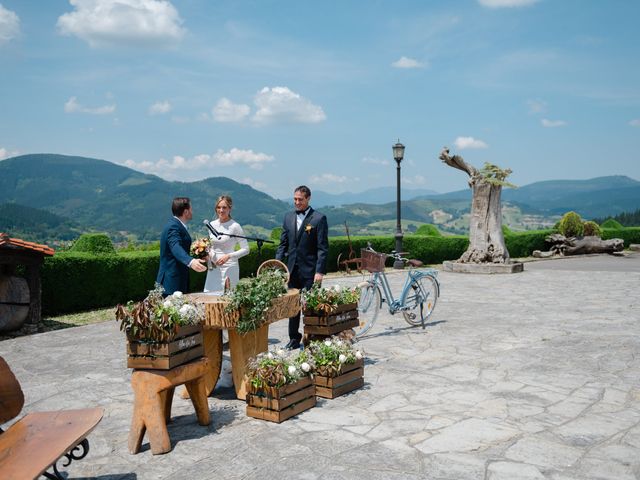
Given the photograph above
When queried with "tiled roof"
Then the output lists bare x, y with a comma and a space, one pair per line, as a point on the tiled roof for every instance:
6, 241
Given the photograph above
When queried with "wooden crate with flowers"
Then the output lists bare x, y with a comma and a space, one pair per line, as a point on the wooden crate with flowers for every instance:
280, 385
328, 311
339, 366
162, 333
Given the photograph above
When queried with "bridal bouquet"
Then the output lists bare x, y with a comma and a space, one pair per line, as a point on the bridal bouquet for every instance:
200, 248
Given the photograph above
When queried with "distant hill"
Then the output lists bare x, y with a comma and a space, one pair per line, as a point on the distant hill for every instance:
35, 224
101, 195
373, 196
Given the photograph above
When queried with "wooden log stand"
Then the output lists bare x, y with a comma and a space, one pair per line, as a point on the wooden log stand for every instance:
279, 404
153, 390
351, 378
241, 346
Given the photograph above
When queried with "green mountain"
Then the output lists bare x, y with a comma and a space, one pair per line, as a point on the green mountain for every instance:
36, 225
103, 196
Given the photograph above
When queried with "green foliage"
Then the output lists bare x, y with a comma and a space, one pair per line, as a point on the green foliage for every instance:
522, 244
506, 230
628, 234
429, 230
275, 234
496, 175
98, 243
611, 223
570, 225
322, 301
591, 229
331, 354
253, 296
277, 368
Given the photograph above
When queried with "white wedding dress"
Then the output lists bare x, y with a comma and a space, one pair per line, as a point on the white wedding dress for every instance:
225, 244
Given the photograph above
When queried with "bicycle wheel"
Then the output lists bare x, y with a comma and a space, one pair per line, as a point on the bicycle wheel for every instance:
421, 298
368, 307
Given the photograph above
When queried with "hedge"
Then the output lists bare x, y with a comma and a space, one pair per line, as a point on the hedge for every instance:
74, 281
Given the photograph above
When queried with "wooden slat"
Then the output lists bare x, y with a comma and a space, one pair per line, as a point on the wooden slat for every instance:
163, 349
340, 380
165, 363
281, 416
330, 319
283, 391
331, 330
282, 402
328, 392
36, 441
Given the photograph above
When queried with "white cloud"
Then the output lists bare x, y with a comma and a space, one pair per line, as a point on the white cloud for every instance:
123, 22
406, 62
72, 106
414, 180
506, 3
254, 183
204, 162
375, 161
328, 178
160, 108
462, 143
537, 106
635, 122
4, 153
226, 111
9, 25
552, 123
281, 105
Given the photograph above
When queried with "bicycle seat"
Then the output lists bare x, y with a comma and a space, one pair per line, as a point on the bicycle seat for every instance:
415, 263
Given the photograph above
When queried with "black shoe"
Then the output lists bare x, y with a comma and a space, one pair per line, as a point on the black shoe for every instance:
293, 344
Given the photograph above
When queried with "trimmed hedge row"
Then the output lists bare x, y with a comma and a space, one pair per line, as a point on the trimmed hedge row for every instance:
74, 281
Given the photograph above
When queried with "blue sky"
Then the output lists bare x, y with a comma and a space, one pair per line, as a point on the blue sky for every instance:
279, 93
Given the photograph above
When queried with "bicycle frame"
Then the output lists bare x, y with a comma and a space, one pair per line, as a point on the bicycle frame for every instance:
395, 305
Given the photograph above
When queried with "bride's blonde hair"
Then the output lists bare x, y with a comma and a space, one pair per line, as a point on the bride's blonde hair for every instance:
227, 199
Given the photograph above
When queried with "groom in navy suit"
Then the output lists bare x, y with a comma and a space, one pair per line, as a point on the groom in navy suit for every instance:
175, 243
304, 245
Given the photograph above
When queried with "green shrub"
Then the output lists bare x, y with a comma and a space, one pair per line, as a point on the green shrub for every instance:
628, 234
98, 243
506, 230
522, 244
429, 230
275, 234
591, 229
611, 223
570, 225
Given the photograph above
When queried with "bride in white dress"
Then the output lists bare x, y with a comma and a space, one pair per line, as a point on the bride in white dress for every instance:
225, 250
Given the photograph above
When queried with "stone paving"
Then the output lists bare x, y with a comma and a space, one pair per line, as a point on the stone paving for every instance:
533, 375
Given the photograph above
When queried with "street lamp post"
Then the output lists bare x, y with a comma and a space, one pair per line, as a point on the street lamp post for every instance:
398, 155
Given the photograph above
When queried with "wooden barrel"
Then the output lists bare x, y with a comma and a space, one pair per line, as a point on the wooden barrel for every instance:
14, 303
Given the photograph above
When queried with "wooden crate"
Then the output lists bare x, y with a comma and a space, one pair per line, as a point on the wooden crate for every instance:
184, 347
279, 404
342, 318
351, 378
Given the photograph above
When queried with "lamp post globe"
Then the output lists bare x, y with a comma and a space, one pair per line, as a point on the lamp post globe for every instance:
398, 155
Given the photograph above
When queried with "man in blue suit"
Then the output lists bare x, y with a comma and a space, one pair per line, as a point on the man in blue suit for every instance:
175, 243
304, 245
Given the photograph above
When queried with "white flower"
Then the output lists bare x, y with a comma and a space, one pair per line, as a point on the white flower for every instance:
358, 354
269, 355
305, 367
177, 294
342, 358
280, 352
167, 303
327, 343
336, 288
184, 309
292, 369
338, 342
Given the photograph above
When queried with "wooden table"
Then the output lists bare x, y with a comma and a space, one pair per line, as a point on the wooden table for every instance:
241, 346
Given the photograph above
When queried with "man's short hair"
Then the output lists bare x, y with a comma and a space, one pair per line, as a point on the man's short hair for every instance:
306, 191
179, 205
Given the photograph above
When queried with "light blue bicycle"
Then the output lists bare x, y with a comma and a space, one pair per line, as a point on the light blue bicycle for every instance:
416, 302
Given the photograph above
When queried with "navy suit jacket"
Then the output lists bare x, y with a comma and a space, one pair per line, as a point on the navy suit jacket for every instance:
308, 247
175, 243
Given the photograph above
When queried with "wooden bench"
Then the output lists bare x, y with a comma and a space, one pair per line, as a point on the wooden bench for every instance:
153, 390
37, 441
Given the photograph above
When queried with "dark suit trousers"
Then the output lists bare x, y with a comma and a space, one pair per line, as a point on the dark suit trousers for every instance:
295, 281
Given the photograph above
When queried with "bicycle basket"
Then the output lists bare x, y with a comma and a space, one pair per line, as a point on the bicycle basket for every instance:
373, 261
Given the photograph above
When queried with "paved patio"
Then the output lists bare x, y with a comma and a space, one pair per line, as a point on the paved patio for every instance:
527, 376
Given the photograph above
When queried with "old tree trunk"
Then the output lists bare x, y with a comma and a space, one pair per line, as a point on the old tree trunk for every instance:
486, 241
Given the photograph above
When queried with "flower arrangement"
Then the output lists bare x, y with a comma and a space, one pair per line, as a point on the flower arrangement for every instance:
279, 367
325, 300
253, 296
156, 319
200, 248
331, 354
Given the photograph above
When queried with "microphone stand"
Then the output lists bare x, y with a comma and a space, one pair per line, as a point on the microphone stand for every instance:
215, 233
